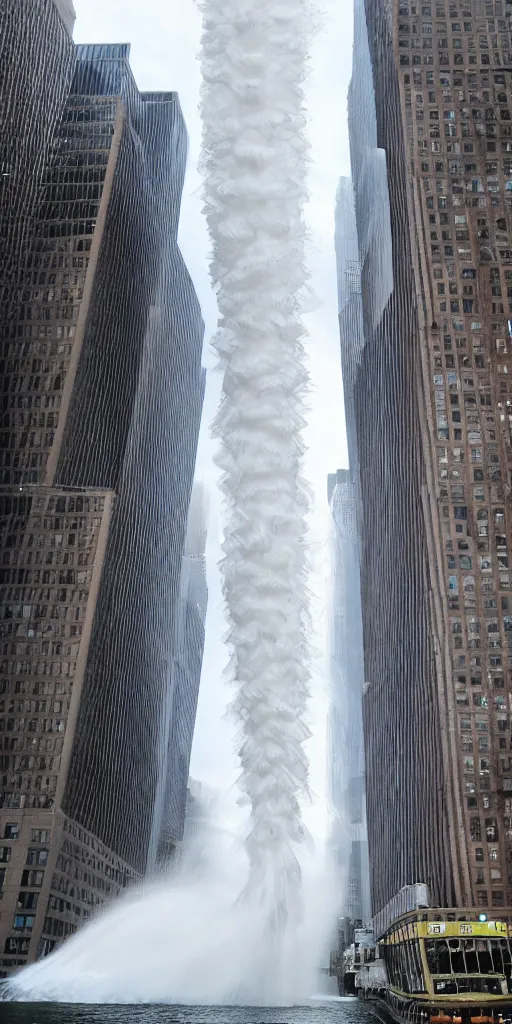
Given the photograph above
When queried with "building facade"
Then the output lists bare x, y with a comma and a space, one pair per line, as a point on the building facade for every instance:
430, 110
102, 397
348, 839
66, 10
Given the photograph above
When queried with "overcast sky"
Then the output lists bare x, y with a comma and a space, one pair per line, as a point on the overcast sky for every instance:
165, 41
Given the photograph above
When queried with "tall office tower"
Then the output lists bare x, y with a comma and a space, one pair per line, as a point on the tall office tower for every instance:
102, 395
350, 311
348, 840
431, 145
36, 58
346, 767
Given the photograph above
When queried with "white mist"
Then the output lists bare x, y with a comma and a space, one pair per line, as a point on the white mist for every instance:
254, 61
187, 938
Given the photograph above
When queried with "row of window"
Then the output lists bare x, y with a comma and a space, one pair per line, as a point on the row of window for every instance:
59, 929
34, 744
491, 142
443, 58
456, 454
72, 611
26, 558
485, 801
492, 8
17, 801
35, 855
35, 419
52, 578
15, 946
67, 862
35, 648
53, 725
473, 625
482, 744
37, 668
15, 439
49, 539
15, 763
19, 332
43, 312
480, 700
48, 625
489, 829
35, 689
30, 783
483, 766
12, 707
465, 33
49, 524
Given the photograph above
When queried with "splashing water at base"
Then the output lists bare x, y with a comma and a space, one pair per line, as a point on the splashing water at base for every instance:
188, 939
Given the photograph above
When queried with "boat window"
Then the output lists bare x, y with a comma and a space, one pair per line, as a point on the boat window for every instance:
458, 965
438, 957
470, 957
484, 957
497, 958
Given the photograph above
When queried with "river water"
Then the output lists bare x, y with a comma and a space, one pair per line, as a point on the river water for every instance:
335, 1011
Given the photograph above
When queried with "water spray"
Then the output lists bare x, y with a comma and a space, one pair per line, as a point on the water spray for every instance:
254, 63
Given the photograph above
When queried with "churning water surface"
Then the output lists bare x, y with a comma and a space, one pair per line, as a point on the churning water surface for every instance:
335, 1011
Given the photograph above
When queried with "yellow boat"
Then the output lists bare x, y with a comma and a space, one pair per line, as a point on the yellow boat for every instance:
443, 966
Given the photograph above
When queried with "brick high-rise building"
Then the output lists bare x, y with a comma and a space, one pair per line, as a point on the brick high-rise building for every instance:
430, 113
101, 337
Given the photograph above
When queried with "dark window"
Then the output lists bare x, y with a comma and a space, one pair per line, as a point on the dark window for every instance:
28, 900
475, 829
491, 830
35, 856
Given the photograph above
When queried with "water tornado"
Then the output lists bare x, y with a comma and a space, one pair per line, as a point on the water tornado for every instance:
254, 63
198, 944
